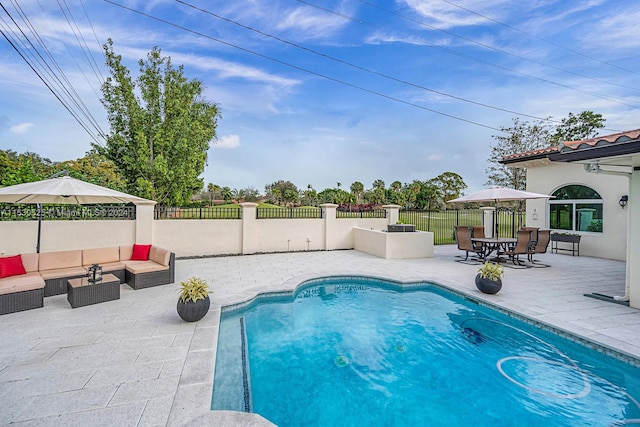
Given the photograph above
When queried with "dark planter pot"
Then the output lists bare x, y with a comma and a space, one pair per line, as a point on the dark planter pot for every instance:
193, 311
565, 238
488, 286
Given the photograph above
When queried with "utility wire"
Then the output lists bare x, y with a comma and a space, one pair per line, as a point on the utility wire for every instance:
102, 79
80, 39
492, 48
65, 90
487, 46
342, 82
377, 73
49, 87
552, 43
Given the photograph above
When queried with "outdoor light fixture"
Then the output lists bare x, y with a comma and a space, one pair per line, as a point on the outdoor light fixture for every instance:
623, 201
592, 167
95, 273
535, 215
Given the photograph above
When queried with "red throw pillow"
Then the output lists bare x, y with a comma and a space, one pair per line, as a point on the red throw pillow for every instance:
11, 266
140, 252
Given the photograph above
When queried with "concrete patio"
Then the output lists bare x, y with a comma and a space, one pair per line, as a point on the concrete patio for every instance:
133, 362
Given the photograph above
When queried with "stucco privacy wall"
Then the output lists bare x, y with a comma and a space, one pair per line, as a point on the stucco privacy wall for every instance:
21, 236
545, 177
186, 237
192, 237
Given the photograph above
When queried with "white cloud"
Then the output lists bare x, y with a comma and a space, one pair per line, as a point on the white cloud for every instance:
228, 142
311, 21
21, 128
446, 15
435, 157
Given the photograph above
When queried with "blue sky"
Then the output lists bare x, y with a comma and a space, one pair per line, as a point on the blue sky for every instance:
352, 90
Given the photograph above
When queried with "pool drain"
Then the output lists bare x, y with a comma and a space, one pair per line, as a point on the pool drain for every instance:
341, 361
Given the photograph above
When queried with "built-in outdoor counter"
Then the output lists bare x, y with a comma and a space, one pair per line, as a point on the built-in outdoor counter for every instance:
417, 244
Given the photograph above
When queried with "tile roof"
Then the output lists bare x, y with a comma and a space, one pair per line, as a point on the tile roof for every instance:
533, 154
570, 146
600, 141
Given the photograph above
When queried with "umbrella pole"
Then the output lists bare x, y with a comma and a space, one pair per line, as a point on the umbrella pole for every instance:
39, 227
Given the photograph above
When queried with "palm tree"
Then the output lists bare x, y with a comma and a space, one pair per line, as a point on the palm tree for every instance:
357, 188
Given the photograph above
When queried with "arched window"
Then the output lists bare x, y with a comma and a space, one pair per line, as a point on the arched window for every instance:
576, 208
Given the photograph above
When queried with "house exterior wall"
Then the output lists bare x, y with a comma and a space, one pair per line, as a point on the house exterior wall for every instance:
546, 177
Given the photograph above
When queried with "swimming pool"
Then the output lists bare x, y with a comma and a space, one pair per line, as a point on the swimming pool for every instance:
359, 351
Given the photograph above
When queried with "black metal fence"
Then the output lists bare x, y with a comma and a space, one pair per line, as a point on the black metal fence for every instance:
374, 213
288, 213
18, 212
164, 212
442, 223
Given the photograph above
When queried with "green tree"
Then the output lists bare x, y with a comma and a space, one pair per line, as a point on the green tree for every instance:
357, 189
226, 194
282, 192
161, 127
524, 136
378, 193
521, 137
574, 128
309, 196
449, 184
20, 168
96, 169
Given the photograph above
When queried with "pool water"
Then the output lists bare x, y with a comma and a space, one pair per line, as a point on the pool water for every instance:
363, 352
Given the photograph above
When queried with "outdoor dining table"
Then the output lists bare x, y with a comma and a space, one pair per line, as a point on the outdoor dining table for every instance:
494, 244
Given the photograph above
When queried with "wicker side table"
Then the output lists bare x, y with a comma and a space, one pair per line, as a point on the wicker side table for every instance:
81, 292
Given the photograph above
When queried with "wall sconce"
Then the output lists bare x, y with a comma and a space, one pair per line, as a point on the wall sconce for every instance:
535, 215
623, 201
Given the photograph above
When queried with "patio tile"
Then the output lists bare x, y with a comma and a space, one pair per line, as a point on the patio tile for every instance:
135, 362
123, 415
66, 402
145, 390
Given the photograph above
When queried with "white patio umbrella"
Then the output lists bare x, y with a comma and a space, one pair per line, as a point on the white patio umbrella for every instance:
496, 194
62, 190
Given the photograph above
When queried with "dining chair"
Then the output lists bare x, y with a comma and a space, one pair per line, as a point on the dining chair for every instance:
521, 247
540, 247
463, 239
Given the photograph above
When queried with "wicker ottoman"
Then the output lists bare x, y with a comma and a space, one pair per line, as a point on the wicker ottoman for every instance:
81, 292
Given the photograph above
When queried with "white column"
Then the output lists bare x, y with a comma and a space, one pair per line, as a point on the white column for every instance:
633, 240
393, 213
329, 217
144, 222
249, 224
488, 220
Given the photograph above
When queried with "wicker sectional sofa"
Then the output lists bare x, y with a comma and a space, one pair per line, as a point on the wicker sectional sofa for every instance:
47, 273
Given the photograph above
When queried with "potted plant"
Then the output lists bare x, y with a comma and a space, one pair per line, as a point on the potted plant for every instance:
193, 303
489, 278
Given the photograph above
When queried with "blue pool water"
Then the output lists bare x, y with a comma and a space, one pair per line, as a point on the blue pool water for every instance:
362, 352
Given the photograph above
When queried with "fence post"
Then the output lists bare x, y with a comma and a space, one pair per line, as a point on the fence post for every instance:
144, 222
249, 225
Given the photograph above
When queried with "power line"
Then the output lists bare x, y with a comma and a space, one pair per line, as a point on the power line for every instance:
342, 82
552, 43
65, 92
391, 12
358, 67
47, 85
